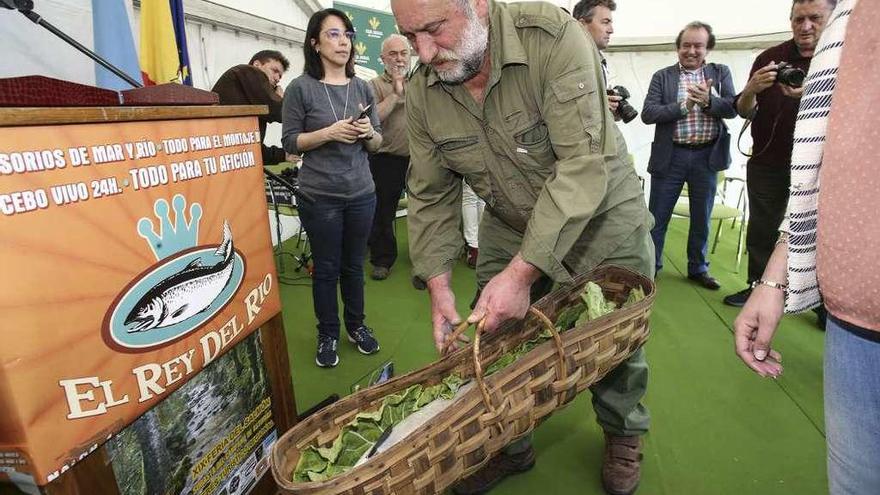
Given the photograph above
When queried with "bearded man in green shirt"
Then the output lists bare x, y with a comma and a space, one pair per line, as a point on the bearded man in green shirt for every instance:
511, 97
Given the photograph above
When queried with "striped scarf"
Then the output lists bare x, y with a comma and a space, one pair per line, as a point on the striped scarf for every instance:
806, 160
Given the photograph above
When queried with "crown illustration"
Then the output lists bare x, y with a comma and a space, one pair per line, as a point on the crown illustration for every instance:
171, 237
374, 23
360, 47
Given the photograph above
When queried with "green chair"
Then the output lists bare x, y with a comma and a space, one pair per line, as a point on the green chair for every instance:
722, 212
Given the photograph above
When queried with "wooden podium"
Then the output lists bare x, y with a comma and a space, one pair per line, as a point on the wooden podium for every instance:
139, 285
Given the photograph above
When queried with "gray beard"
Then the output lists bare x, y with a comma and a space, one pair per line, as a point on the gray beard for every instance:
474, 45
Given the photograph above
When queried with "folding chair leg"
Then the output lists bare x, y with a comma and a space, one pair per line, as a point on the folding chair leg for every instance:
740, 243
717, 235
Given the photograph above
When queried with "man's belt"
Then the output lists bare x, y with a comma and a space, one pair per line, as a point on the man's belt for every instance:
694, 146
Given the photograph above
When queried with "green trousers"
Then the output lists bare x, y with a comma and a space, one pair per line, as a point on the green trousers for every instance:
617, 397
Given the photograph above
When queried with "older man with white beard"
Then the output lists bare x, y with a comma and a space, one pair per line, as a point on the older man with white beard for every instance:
522, 116
388, 165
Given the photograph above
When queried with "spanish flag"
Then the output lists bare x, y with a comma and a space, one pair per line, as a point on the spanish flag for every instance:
159, 57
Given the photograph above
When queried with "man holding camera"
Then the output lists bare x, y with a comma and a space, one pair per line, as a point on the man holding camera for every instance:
771, 99
689, 102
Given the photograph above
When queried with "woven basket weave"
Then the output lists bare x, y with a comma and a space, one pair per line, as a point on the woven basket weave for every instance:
504, 407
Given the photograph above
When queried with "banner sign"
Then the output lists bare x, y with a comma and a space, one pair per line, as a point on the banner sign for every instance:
372, 27
212, 436
133, 254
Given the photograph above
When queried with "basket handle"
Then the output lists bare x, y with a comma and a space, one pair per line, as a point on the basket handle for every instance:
561, 367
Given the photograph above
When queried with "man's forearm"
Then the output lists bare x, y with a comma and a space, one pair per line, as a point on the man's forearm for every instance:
439, 282
745, 104
387, 105
523, 271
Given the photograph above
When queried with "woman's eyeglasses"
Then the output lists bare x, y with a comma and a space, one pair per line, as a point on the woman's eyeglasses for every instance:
336, 34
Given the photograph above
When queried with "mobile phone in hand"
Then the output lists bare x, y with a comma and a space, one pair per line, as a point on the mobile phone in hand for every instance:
364, 112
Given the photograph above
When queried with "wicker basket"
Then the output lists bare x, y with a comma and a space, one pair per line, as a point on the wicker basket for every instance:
504, 407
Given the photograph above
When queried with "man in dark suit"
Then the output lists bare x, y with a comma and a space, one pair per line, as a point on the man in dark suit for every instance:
689, 102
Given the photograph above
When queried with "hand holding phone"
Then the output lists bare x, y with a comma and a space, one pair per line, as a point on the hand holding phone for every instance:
364, 112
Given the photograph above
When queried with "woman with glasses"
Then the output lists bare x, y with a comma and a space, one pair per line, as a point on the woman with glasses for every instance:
323, 119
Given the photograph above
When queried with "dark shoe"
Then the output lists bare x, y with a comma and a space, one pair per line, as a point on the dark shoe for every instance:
471, 256
621, 467
419, 284
498, 468
326, 356
739, 299
706, 280
380, 273
362, 336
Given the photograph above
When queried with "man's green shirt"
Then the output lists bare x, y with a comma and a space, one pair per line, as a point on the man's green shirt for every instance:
542, 150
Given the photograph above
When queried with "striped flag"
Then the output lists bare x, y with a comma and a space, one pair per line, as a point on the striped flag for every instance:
114, 42
160, 59
180, 36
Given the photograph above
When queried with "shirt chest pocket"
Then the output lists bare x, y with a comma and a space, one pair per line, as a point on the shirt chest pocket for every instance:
462, 154
532, 138
576, 89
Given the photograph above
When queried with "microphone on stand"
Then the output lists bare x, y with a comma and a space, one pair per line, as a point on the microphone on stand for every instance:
26, 6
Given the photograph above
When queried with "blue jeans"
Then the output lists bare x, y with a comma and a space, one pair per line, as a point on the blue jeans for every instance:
852, 411
691, 166
338, 231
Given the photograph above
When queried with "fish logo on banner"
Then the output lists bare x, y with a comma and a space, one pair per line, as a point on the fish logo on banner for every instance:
186, 288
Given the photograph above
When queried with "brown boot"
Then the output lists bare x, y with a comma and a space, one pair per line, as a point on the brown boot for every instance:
621, 467
498, 468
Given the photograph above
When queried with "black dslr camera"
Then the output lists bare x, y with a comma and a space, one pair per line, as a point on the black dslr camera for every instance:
790, 76
624, 109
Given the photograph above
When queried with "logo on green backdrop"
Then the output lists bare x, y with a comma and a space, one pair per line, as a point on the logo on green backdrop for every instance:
372, 27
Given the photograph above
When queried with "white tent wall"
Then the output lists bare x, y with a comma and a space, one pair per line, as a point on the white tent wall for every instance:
32, 50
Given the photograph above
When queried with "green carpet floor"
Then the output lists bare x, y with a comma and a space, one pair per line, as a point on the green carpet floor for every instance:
716, 427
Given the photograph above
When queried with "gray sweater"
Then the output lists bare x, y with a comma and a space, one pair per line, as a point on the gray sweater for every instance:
333, 169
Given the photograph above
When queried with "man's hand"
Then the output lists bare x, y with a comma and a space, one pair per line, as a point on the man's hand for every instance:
762, 79
506, 296
754, 329
343, 131
613, 103
791, 92
398, 79
699, 93
444, 316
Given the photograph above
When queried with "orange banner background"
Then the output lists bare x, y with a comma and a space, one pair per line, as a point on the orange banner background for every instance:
63, 267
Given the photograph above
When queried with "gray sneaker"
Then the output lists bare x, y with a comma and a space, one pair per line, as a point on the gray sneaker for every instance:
326, 356
362, 336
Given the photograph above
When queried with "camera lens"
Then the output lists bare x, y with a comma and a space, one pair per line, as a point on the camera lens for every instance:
790, 76
626, 112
